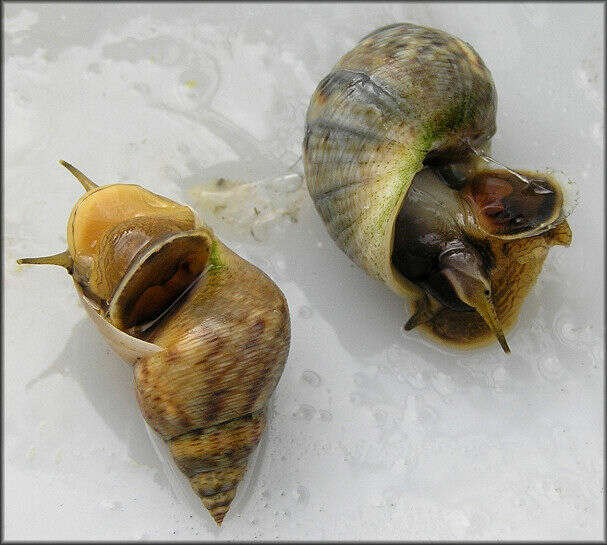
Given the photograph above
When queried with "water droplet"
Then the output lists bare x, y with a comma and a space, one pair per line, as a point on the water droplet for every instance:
411, 409
597, 353
356, 398
391, 496
376, 500
500, 377
304, 412
550, 368
325, 416
571, 333
416, 380
399, 465
301, 495
458, 521
443, 384
142, 88
305, 312
311, 378
111, 505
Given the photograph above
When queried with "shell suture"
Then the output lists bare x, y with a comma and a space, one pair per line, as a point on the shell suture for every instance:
208, 333
407, 97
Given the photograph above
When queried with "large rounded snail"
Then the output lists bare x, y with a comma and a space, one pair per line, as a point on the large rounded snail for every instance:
394, 161
208, 333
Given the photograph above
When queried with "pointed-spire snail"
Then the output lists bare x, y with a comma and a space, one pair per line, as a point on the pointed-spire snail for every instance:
208, 333
393, 159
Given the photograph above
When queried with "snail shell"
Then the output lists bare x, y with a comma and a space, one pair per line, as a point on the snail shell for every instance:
392, 157
207, 332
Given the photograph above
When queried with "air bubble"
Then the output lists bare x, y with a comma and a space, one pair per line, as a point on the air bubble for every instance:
111, 505
550, 368
311, 378
325, 415
304, 412
500, 377
443, 384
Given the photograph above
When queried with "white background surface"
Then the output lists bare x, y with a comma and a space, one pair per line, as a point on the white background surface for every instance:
374, 434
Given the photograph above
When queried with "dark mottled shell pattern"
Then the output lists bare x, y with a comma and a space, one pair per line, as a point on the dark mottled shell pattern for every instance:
403, 92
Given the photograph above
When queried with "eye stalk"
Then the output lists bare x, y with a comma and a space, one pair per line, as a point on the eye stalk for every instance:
464, 270
471, 284
86, 182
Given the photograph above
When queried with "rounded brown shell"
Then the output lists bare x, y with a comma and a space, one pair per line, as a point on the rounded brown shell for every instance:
405, 97
403, 94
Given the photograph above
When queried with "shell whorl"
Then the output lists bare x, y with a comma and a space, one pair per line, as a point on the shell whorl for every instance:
206, 392
402, 93
208, 333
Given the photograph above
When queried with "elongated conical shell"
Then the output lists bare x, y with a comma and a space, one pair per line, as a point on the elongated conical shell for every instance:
208, 333
205, 393
215, 459
402, 93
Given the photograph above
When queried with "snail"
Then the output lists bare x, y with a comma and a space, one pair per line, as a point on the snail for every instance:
395, 161
207, 332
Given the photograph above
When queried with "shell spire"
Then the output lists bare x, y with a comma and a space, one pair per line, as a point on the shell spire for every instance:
207, 333
205, 394
224, 448
395, 155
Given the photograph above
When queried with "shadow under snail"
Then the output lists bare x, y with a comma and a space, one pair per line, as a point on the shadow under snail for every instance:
394, 161
208, 333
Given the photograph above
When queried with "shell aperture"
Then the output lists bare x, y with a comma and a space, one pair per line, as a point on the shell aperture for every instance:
405, 100
207, 332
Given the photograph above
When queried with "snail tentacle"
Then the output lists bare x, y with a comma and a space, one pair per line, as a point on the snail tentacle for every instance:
208, 333
86, 182
395, 150
62, 259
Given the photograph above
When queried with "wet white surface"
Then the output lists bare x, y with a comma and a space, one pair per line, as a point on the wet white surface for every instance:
373, 434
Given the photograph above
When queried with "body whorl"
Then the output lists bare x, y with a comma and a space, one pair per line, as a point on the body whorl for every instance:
403, 95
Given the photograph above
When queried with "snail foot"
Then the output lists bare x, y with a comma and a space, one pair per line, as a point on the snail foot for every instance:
426, 308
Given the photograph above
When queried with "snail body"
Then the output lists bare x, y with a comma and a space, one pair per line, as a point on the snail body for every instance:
393, 158
207, 332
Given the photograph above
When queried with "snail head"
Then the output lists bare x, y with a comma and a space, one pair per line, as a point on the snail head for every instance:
431, 250
131, 251
465, 273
